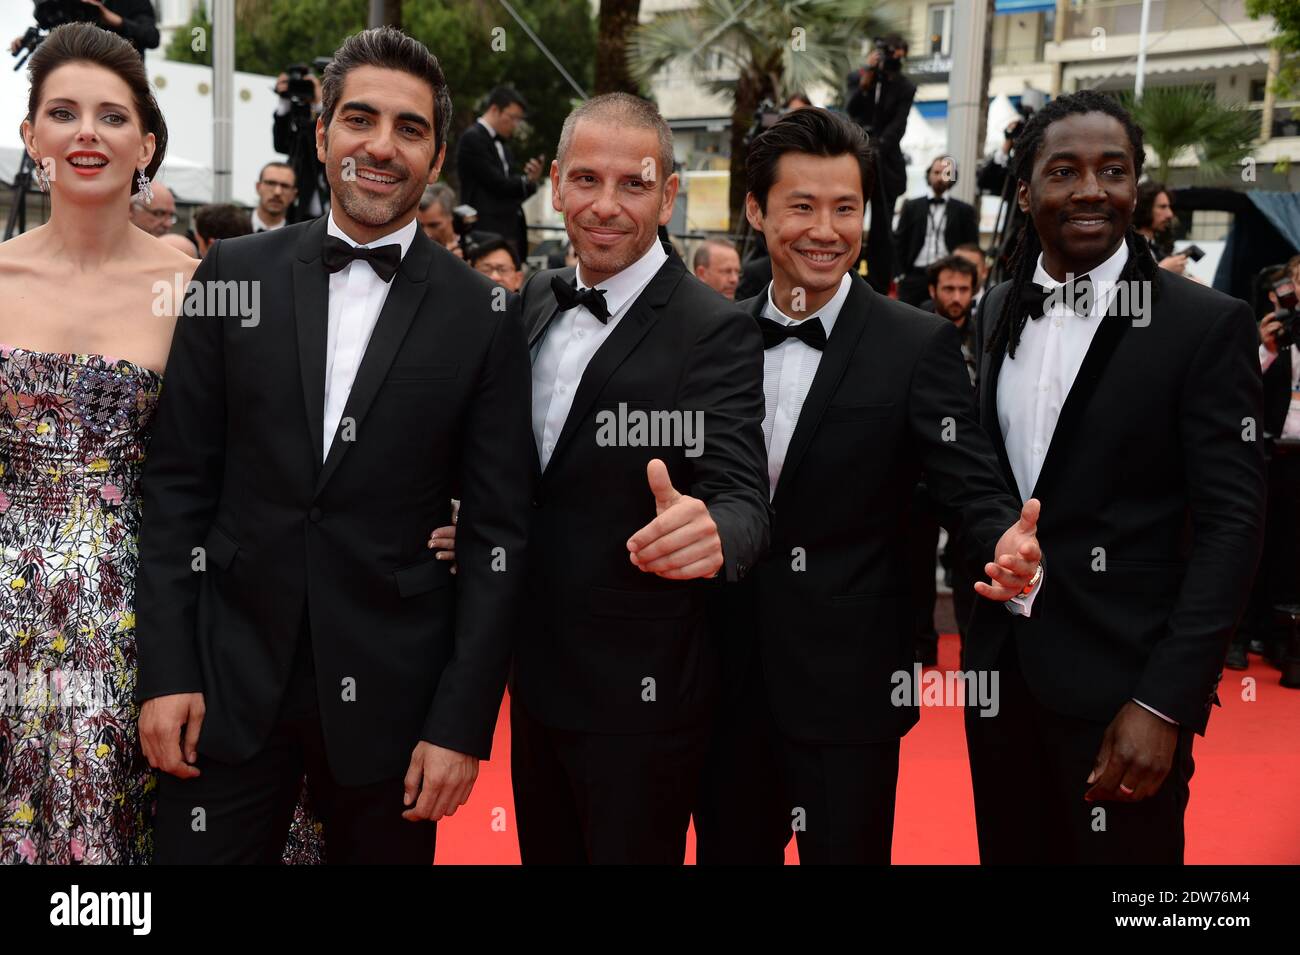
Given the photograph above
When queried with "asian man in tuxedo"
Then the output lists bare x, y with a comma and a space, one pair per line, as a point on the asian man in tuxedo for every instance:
1128, 400
864, 395
647, 410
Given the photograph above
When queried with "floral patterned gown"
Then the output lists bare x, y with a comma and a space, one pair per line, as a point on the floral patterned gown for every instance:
74, 785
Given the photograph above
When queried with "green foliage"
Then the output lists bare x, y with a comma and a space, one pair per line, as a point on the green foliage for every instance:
1286, 14
1174, 118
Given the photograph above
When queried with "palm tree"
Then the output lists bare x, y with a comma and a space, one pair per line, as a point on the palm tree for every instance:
1175, 118
756, 50
618, 18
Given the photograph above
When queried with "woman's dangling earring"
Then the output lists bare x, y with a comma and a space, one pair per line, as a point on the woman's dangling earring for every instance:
42, 176
144, 188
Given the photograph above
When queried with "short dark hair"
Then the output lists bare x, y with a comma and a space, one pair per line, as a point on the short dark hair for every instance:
505, 96
952, 263
702, 254
810, 130
1148, 193
222, 220
485, 243
389, 49
277, 164
88, 43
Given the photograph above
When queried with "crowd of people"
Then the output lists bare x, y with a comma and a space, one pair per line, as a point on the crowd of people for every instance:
689, 527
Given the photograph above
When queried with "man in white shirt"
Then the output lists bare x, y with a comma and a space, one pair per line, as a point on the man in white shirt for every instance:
1127, 398
863, 394
646, 411
276, 190
302, 457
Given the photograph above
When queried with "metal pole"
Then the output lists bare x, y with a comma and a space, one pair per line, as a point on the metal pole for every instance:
966, 80
1140, 80
223, 88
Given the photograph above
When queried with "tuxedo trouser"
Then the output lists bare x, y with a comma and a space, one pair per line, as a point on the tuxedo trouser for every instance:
245, 808
602, 798
1029, 769
922, 548
840, 799
741, 816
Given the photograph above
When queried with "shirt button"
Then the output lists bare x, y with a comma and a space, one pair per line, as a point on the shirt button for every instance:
550, 448
1038, 449
579, 333
1042, 387
562, 389
1057, 322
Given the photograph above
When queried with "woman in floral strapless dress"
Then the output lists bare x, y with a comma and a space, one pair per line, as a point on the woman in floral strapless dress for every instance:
74, 428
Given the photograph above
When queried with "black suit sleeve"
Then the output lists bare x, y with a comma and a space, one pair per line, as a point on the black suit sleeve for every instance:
477, 156
179, 491
1223, 464
960, 466
498, 458
724, 379
904, 238
859, 103
967, 224
891, 134
139, 24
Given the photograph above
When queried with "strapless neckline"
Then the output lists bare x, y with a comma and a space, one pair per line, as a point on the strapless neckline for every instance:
83, 358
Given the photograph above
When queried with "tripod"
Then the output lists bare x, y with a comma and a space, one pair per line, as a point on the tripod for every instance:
17, 222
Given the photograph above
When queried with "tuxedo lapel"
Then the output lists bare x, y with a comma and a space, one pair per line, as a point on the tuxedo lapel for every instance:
627, 334
840, 346
546, 309
1100, 351
311, 286
409, 287
992, 369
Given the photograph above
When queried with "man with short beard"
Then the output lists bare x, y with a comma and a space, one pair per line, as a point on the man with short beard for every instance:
615, 676
289, 616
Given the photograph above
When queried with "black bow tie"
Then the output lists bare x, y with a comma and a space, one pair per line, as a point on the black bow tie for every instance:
937, 200
810, 331
337, 255
568, 295
1078, 294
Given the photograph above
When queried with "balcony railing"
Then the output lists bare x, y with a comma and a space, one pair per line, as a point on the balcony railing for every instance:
1125, 16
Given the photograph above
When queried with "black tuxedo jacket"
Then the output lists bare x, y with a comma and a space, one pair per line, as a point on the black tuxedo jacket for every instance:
597, 627
1155, 473
890, 403
496, 197
403, 651
1277, 392
960, 226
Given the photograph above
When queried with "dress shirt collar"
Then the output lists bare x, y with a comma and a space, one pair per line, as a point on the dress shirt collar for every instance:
622, 286
1104, 275
931, 194
488, 126
828, 313
403, 236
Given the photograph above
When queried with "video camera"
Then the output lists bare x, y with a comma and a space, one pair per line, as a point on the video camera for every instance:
888, 61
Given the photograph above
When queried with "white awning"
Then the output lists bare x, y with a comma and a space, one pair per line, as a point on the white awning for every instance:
1092, 72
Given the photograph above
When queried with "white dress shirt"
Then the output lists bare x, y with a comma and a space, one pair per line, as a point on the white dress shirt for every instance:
1033, 386
788, 372
1291, 426
496, 141
356, 297
260, 226
573, 338
935, 246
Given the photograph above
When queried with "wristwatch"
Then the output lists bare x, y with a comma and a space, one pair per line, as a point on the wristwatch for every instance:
1033, 581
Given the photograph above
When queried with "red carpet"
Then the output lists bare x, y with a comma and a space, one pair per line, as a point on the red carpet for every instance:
1245, 803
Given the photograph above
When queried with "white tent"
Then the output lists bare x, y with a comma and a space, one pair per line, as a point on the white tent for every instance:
184, 92
1001, 113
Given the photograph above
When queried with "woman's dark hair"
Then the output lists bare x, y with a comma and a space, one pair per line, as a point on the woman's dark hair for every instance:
818, 132
1140, 265
389, 49
87, 43
1148, 192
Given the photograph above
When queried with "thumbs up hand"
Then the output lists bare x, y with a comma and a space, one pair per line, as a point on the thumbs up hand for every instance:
1016, 558
682, 542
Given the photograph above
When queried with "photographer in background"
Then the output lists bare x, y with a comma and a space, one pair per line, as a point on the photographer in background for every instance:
1154, 221
879, 98
134, 20
293, 133
1278, 579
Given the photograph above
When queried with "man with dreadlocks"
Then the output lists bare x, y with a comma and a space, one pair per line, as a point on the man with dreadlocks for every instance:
1127, 399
